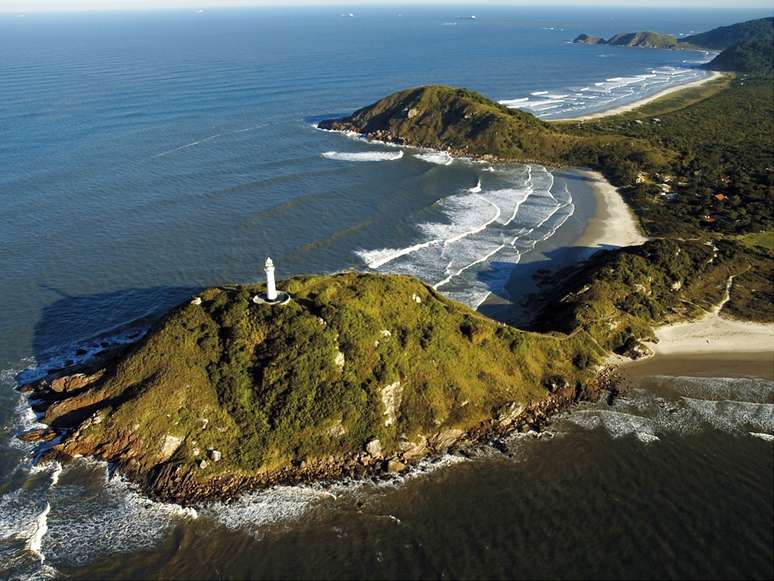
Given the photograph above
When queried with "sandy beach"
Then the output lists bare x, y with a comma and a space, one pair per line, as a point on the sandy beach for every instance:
614, 224
712, 345
636, 104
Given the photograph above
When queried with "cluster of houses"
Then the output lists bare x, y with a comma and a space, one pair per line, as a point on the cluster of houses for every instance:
664, 183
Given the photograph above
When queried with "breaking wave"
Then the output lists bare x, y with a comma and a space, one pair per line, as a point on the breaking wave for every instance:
684, 405
436, 157
605, 94
485, 232
363, 155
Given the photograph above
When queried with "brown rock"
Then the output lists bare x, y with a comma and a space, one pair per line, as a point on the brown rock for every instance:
38, 435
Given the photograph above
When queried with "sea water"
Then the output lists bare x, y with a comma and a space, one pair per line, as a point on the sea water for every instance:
147, 155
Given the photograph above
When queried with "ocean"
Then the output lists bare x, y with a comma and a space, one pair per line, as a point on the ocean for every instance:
147, 155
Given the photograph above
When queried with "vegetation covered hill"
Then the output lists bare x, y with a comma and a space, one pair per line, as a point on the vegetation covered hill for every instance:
728, 36
698, 163
632, 39
224, 392
455, 119
618, 297
643, 40
364, 372
746, 46
755, 57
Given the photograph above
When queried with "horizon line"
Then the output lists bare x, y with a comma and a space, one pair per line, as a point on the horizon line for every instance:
206, 5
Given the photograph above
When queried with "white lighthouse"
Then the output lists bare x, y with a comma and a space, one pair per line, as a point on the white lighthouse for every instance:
271, 287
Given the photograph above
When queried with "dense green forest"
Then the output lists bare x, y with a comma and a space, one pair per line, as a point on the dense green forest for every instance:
708, 166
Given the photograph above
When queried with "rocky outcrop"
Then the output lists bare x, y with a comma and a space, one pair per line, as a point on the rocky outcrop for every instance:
589, 39
168, 480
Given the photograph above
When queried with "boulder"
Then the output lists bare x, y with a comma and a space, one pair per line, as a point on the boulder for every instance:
395, 466
444, 439
508, 414
69, 383
374, 448
413, 450
169, 446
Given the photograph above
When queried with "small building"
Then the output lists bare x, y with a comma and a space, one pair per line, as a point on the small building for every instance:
721, 197
271, 296
708, 219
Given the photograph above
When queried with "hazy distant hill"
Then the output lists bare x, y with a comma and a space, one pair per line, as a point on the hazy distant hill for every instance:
634, 39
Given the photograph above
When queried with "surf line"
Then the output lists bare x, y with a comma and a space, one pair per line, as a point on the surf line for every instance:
411, 249
496, 250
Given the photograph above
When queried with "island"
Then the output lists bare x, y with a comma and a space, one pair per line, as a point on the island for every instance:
633, 39
357, 374
745, 46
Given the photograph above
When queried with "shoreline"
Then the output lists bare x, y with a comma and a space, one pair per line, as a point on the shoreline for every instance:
610, 223
627, 107
614, 224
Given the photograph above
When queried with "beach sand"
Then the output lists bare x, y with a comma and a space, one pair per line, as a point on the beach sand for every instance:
712, 345
637, 104
614, 224
728, 364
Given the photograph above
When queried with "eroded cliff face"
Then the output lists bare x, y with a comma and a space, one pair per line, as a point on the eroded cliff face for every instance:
358, 374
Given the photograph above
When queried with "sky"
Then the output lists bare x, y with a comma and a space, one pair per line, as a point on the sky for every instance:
28, 6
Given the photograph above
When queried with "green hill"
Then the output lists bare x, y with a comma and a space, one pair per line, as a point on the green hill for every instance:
754, 57
632, 39
224, 393
459, 120
589, 39
643, 40
728, 36
717, 142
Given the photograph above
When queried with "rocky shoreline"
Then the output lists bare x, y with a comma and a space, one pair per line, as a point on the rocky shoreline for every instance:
387, 138
169, 481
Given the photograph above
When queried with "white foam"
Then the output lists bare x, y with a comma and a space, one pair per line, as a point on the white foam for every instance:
602, 95
112, 517
514, 102
480, 225
762, 436
363, 156
39, 530
256, 510
436, 157
645, 415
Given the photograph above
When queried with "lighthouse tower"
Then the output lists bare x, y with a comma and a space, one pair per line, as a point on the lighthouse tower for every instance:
271, 287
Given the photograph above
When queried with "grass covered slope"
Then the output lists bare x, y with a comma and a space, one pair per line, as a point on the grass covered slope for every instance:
728, 36
617, 297
352, 358
643, 40
755, 57
455, 119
